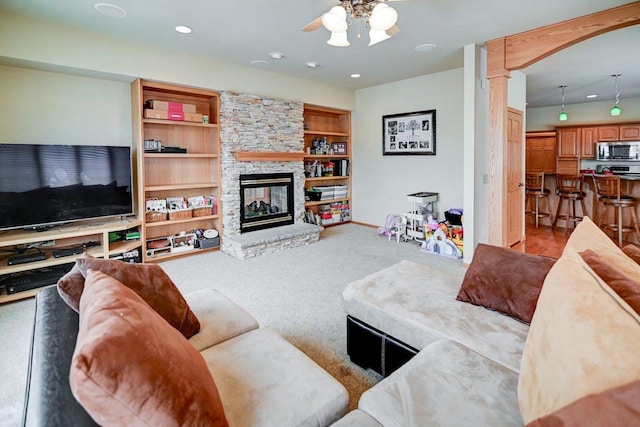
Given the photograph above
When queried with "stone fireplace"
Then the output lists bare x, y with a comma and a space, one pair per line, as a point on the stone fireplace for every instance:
266, 201
253, 124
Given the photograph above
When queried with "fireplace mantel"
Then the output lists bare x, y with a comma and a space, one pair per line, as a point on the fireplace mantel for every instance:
268, 156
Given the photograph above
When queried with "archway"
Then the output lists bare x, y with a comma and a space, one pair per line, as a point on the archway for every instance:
516, 52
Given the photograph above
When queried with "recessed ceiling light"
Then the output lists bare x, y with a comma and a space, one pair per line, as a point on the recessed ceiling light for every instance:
183, 29
355, 75
276, 55
592, 96
110, 10
312, 64
259, 63
425, 47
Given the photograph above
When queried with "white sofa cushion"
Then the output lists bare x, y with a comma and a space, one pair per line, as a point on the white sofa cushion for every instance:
220, 318
417, 305
263, 380
357, 418
446, 384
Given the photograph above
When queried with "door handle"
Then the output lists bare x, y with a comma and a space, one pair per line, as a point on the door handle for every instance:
521, 184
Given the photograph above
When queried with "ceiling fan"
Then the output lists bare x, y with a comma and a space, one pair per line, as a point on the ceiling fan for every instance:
378, 16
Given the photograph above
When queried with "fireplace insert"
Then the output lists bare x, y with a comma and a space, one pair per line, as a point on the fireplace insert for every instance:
266, 201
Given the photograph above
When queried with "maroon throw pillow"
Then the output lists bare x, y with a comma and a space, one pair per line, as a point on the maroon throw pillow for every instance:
131, 368
70, 285
616, 406
623, 285
152, 284
505, 280
632, 251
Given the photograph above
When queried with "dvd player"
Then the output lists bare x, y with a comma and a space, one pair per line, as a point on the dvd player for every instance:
23, 259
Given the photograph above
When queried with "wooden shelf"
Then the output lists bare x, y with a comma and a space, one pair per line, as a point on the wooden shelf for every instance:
4, 297
179, 156
168, 256
326, 202
178, 221
181, 186
326, 178
178, 123
268, 156
326, 133
326, 156
194, 173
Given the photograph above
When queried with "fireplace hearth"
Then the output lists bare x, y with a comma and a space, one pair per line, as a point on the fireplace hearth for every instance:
266, 201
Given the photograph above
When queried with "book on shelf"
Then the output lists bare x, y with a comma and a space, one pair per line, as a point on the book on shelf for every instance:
340, 167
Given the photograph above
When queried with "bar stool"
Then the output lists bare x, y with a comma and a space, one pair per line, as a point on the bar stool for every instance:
569, 190
610, 195
535, 189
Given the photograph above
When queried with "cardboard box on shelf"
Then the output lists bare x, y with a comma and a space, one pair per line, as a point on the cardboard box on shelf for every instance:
172, 115
170, 106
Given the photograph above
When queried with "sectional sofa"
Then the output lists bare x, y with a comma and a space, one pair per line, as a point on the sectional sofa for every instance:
473, 359
129, 358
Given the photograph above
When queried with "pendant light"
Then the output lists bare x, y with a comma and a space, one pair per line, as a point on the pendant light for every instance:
563, 116
616, 110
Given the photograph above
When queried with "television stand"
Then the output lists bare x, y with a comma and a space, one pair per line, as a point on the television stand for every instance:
57, 239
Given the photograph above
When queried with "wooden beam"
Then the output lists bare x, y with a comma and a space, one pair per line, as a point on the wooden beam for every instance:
497, 171
524, 49
269, 156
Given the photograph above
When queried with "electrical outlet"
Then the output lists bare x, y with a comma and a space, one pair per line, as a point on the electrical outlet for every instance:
47, 243
485, 178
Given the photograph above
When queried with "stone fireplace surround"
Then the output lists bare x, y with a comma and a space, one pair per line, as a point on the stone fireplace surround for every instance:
250, 123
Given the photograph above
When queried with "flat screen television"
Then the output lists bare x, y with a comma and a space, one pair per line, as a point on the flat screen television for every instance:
47, 185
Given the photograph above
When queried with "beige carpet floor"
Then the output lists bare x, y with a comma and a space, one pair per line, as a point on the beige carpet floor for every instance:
297, 292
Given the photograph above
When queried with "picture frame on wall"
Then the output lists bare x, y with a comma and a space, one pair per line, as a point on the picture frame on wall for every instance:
409, 134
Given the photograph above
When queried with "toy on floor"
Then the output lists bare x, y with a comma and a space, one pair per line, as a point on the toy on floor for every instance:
439, 244
395, 226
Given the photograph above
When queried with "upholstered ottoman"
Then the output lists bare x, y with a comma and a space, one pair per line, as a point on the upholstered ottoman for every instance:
414, 305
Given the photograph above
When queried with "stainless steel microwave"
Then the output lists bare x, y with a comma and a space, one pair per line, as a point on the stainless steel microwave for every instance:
621, 150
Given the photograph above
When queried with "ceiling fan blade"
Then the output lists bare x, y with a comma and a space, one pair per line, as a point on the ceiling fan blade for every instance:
313, 25
393, 30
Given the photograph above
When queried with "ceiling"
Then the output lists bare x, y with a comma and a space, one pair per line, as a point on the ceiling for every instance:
244, 31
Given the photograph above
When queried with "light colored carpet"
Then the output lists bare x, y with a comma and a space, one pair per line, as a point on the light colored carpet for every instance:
296, 292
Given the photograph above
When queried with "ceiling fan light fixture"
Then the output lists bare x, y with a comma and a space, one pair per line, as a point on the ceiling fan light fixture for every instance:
335, 20
383, 17
338, 39
377, 36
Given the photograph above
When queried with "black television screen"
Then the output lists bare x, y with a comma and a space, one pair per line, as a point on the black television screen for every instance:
44, 185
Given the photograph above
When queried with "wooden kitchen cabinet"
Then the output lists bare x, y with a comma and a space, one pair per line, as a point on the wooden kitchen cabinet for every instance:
540, 152
609, 133
568, 143
630, 132
588, 139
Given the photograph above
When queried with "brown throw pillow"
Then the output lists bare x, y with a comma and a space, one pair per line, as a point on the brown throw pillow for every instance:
632, 251
623, 285
153, 285
505, 280
71, 284
600, 409
130, 367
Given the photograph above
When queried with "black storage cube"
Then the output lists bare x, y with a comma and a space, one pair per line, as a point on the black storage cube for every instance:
373, 349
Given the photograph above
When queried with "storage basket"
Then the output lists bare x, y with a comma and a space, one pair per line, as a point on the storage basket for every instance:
155, 216
203, 211
177, 214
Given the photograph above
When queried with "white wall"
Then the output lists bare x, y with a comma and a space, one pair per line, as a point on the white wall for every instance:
546, 118
476, 149
52, 108
381, 183
38, 44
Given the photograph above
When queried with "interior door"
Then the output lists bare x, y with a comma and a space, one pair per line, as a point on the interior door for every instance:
515, 178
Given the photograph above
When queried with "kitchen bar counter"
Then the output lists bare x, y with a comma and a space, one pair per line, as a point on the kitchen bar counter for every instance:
590, 201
